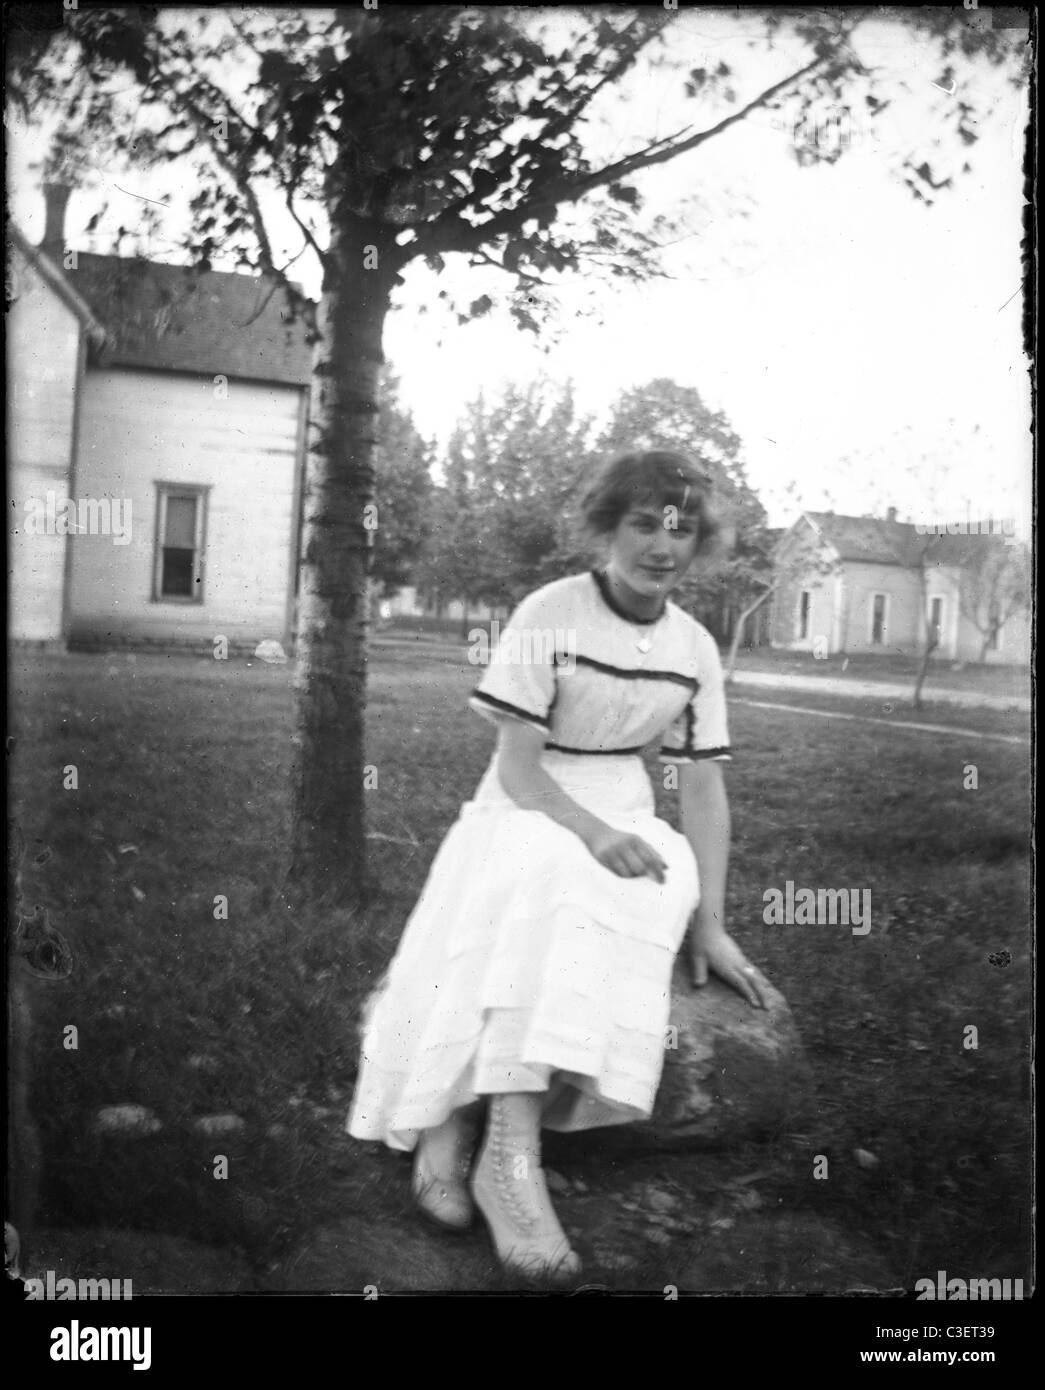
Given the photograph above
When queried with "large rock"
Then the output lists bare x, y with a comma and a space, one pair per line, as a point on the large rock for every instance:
731, 1073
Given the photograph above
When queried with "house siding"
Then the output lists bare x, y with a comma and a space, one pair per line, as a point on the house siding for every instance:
903, 629
139, 429
43, 346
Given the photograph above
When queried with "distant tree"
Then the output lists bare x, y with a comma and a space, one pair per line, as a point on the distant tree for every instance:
996, 585
460, 560
402, 492
512, 470
539, 458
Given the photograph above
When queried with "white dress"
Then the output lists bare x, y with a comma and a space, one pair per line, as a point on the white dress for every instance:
525, 957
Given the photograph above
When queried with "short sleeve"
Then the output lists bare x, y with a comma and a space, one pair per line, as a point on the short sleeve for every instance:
519, 681
701, 731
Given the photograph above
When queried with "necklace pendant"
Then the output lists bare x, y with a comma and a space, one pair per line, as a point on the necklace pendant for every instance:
644, 645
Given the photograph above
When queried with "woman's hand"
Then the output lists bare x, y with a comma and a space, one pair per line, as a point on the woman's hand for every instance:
714, 950
628, 856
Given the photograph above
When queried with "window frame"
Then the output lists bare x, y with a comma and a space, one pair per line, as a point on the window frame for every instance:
884, 596
800, 635
941, 599
200, 494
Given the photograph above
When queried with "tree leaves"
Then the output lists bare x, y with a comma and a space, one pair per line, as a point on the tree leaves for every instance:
623, 193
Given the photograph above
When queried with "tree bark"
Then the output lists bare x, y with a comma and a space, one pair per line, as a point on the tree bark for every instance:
328, 852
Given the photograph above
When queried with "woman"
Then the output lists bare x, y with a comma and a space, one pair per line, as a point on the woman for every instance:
535, 971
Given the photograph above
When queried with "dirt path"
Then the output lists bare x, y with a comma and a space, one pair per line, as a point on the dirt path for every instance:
879, 690
890, 723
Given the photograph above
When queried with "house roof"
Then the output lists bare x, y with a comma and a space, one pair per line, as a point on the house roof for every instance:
880, 541
177, 318
873, 540
53, 277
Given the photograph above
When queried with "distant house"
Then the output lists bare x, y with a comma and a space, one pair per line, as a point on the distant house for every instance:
156, 442
866, 584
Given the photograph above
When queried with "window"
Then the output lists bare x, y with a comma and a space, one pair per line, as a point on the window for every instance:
805, 599
936, 621
180, 517
878, 620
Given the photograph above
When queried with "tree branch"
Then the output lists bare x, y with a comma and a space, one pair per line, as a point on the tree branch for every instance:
306, 231
527, 276
454, 234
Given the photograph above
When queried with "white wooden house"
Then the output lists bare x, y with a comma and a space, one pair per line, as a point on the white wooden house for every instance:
868, 584
156, 437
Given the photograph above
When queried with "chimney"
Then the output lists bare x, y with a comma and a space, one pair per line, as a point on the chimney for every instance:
891, 514
56, 198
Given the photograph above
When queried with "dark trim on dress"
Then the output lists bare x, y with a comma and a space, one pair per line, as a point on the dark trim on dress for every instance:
693, 755
503, 707
603, 585
597, 752
637, 673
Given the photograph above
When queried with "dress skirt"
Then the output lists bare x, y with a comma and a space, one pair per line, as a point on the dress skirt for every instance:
525, 957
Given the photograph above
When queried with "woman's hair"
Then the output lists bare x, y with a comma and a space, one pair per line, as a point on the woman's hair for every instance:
657, 478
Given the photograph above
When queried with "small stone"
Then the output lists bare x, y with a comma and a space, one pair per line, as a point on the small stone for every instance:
556, 1182
865, 1158
746, 1200
218, 1124
133, 1121
659, 1201
271, 652
201, 1061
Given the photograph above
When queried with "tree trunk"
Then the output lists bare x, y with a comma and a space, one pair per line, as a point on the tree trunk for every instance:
328, 859
738, 631
930, 647
988, 637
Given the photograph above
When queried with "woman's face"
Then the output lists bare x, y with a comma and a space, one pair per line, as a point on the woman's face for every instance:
652, 548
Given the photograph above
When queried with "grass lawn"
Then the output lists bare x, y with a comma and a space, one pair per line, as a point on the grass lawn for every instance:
182, 767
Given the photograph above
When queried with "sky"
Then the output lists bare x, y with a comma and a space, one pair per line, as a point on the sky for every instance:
866, 348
